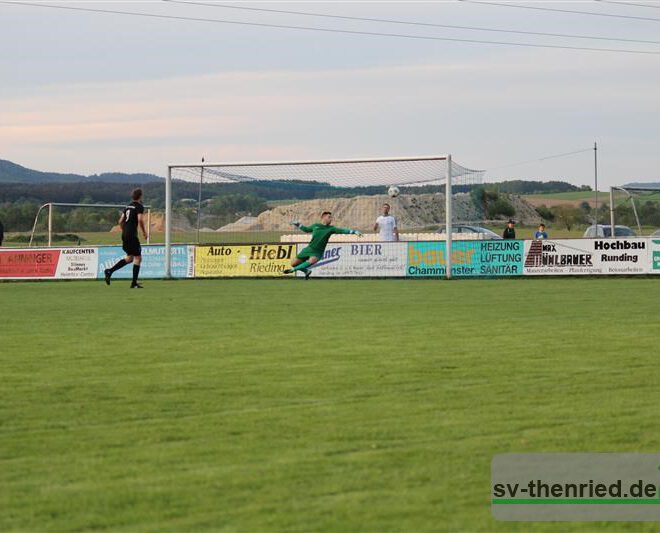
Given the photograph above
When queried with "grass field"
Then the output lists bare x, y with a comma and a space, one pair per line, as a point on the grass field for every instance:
575, 198
603, 196
244, 405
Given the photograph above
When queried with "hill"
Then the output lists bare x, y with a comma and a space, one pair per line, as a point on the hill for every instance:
650, 185
13, 173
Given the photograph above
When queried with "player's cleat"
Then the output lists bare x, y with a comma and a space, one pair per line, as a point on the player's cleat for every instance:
108, 275
287, 271
136, 286
307, 273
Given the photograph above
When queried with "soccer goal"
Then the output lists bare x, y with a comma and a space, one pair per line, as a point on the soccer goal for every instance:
75, 214
636, 206
217, 199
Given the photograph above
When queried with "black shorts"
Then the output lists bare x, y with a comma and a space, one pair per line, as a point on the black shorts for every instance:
132, 246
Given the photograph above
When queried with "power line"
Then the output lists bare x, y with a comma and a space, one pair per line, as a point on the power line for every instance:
556, 156
331, 30
627, 3
557, 10
411, 23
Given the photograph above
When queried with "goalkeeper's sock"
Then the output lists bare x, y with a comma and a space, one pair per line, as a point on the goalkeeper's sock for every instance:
136, 273
119, 264
301, 266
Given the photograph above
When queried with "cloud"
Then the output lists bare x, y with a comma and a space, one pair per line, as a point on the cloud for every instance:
490, 113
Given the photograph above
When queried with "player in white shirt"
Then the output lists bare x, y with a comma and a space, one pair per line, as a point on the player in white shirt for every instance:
386, 225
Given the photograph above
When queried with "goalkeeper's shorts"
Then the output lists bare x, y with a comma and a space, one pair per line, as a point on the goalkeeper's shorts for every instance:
308, 252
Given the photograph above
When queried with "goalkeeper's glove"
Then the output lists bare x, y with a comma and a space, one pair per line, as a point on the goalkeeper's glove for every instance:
356, 232
295, 223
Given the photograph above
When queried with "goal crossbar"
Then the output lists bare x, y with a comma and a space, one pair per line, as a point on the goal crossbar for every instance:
314, 162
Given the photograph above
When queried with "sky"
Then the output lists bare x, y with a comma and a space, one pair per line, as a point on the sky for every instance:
91, 92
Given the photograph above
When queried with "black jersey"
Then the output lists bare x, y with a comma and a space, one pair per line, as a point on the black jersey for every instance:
131, 213
509, 233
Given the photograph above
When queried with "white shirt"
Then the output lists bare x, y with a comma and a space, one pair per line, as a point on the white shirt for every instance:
386, 226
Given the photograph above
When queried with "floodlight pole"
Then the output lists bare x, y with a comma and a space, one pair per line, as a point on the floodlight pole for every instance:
596, 184
168, 223
448, 232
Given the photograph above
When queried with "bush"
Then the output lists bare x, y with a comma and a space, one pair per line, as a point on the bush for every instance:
491, 203
501, 207
545, 213
41, 238
569, 216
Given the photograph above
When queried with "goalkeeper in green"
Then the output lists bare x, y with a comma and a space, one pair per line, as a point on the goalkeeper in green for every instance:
321, 234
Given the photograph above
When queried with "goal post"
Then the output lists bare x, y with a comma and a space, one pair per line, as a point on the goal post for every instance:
326, 180
637, 206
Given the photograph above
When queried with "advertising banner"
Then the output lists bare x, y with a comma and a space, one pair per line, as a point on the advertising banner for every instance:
250, 260
153, 261
654, 256
587, 256
77, 263
385, 259
469, 258
28, 263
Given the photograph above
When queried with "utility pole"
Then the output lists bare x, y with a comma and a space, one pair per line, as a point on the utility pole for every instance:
596, 184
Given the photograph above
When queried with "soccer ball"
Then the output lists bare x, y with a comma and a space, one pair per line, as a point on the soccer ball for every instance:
393, 191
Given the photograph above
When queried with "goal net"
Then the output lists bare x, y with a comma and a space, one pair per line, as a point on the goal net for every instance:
240, 203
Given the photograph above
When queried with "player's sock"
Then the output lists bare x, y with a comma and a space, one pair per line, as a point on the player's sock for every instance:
119, 264
136, 273
301, 266
307, 273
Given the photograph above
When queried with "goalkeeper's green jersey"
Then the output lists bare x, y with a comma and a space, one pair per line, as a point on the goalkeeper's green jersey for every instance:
321, 235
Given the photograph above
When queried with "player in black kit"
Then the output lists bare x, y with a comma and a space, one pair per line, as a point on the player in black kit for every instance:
130, 219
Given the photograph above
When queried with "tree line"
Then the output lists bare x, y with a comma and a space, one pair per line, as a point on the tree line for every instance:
222, 203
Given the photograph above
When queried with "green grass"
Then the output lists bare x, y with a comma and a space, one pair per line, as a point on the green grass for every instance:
574, 195
327, 405
603, 197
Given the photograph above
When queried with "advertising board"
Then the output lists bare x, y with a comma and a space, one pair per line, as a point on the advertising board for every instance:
153, 261
250, 260
587, 256
22, 263
469, 258
384, 259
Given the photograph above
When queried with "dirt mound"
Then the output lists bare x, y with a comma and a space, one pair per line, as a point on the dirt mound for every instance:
525, 212
242, 224
412, 211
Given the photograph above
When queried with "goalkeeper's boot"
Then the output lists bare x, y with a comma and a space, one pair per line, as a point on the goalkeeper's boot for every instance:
136, 286
287, 271
108, 275
307, 272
